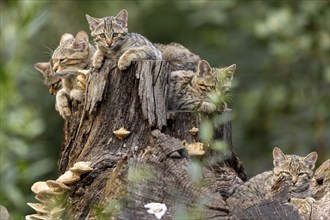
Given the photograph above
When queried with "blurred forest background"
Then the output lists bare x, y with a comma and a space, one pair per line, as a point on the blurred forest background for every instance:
281, 97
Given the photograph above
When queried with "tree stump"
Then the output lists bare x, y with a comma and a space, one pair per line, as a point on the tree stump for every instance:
152, 164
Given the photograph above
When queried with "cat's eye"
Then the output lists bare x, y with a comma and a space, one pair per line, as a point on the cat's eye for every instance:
285, 173
301, 174
102, 35
62, 60
115, 34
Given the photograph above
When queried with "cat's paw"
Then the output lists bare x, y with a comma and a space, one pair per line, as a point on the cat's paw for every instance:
63, 109
97, 60
62, 104
124, 62
97, 65
77, 94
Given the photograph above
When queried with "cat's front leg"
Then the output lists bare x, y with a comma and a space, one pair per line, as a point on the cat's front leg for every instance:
126, 59
62, 104
98, 59
134, 54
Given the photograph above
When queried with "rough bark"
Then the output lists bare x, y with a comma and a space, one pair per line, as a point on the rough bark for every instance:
151, 164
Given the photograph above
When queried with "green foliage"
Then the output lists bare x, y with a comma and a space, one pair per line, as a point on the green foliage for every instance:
113, 207
281, 96
26, 154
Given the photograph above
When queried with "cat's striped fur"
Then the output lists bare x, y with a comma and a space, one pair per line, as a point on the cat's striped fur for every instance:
179, 57
189, 91
113, 41
290, 171
72, 55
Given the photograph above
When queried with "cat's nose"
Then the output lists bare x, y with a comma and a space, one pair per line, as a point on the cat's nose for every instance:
108, 41
294, 179
55, 67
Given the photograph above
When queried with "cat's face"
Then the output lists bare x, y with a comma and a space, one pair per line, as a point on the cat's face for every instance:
71, 55
294, 170
205, 77
52, 81
225, 77
109, 32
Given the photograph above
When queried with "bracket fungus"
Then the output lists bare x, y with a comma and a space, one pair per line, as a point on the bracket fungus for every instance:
45, 198
40, 188
82, 167
57, 186
195, 149
51, 193
57, 212
38, 207
69, 177
37, 217
121, 133
193, 131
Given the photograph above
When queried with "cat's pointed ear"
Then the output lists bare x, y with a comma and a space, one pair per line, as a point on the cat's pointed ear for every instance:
203, 68
230, 70
42, 67
93, 22
66, 37
311, 159
81, 40
122, 18
279, 156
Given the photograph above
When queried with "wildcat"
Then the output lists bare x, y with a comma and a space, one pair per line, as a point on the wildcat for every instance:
179, 57
72, 55
52, 81
291, 171
113, 41
190, 91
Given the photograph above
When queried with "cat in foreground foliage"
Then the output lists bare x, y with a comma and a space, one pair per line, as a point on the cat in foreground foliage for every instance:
191, 91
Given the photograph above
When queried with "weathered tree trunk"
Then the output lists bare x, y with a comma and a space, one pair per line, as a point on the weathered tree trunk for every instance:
151, 164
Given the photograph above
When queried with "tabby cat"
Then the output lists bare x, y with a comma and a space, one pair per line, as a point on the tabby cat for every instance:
190, 91
52, 81
291, 171
72, 55
179, 57
113, 41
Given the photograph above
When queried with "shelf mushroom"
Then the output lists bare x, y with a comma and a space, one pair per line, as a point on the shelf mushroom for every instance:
69, 178
195, 149
193, 131
121, 133
82, 167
